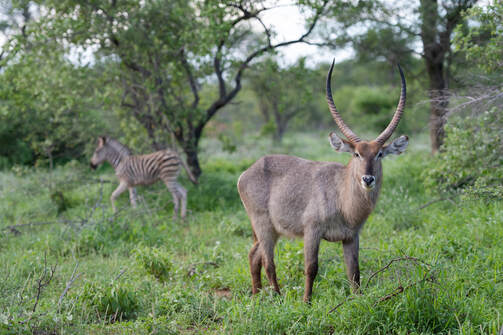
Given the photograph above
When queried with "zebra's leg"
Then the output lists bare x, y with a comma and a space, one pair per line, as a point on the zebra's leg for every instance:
183, 196
176, 200
132, 196
120, 189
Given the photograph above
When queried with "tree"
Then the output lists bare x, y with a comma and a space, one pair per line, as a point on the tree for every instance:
283, 93
483, 42
47, 104
436, 36
429, 22
44, 116
166, 51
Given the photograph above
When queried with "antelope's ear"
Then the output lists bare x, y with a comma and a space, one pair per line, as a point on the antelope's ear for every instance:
396, 147
339, 144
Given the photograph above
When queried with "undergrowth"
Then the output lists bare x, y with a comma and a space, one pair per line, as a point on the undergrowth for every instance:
139, 272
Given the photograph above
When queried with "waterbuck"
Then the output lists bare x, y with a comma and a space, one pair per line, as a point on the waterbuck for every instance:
294, 197
134, 170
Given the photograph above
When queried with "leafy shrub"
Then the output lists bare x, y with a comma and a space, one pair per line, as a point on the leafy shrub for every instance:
369, 108
217, 188
471, 160
113, 302
373, 104
189, 307
155, 261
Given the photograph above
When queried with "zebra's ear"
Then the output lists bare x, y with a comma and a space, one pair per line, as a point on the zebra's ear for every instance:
102, 140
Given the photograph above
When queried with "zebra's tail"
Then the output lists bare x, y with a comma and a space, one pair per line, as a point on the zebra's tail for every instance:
189, 173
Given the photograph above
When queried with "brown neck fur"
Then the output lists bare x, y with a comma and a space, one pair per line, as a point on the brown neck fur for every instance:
356, 204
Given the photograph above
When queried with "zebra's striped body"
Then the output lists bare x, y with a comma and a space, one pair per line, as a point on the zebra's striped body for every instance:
134, 170
147, 169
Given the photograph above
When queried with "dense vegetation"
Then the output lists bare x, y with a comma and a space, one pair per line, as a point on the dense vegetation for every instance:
431, 253
138, 272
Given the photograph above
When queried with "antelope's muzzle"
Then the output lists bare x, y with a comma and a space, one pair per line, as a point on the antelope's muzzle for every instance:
368, 182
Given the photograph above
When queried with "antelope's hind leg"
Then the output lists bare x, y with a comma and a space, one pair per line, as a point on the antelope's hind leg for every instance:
255, 258
267, 238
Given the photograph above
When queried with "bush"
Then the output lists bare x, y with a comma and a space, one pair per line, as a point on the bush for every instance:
369, 109
112, 302
155, 261
374, 105
471, 160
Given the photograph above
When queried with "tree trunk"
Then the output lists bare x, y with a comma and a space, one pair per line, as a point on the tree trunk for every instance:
434, 51
439, 101
191, 150
436, 54
279, 132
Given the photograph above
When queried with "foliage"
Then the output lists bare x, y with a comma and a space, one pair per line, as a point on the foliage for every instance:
207, 289
483, 42
112, 302
162, 55
373, 106
471, 161
283, 93
41, 117
394, 29
155, 261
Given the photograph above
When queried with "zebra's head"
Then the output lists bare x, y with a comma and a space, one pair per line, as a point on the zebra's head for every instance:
100, 154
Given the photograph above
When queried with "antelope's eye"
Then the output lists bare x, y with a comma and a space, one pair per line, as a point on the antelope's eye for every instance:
357, 155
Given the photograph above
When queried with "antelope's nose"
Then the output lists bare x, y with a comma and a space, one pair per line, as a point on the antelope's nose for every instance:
368, 180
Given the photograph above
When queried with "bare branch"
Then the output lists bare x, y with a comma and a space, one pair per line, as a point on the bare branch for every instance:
13, 228
192, 80
244, 64
340, 304
400, 289
43, 281
432, 202
405, 258
69, 283
120, 274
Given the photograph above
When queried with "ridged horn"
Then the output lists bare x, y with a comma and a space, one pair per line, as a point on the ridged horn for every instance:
386, 134
337, 118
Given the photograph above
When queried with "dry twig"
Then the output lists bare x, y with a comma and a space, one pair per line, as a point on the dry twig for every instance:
400, 289
340, 304
13, 228
69, 283
399, 259
120, 274
43, 281
435, 201
193, 267
428, 276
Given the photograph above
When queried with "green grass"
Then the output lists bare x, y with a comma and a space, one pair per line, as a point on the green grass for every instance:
142, 273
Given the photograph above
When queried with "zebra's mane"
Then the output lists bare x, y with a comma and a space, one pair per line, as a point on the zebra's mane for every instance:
118, 146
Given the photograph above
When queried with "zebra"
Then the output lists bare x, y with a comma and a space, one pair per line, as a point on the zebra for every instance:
133, 170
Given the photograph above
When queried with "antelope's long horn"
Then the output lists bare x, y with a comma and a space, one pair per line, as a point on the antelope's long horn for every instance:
381, 139
337, 118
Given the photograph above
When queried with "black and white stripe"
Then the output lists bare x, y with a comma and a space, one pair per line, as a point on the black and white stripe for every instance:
134, 170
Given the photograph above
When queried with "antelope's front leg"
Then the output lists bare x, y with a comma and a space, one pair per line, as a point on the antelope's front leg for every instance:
311, 248
351, 248
120, 189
